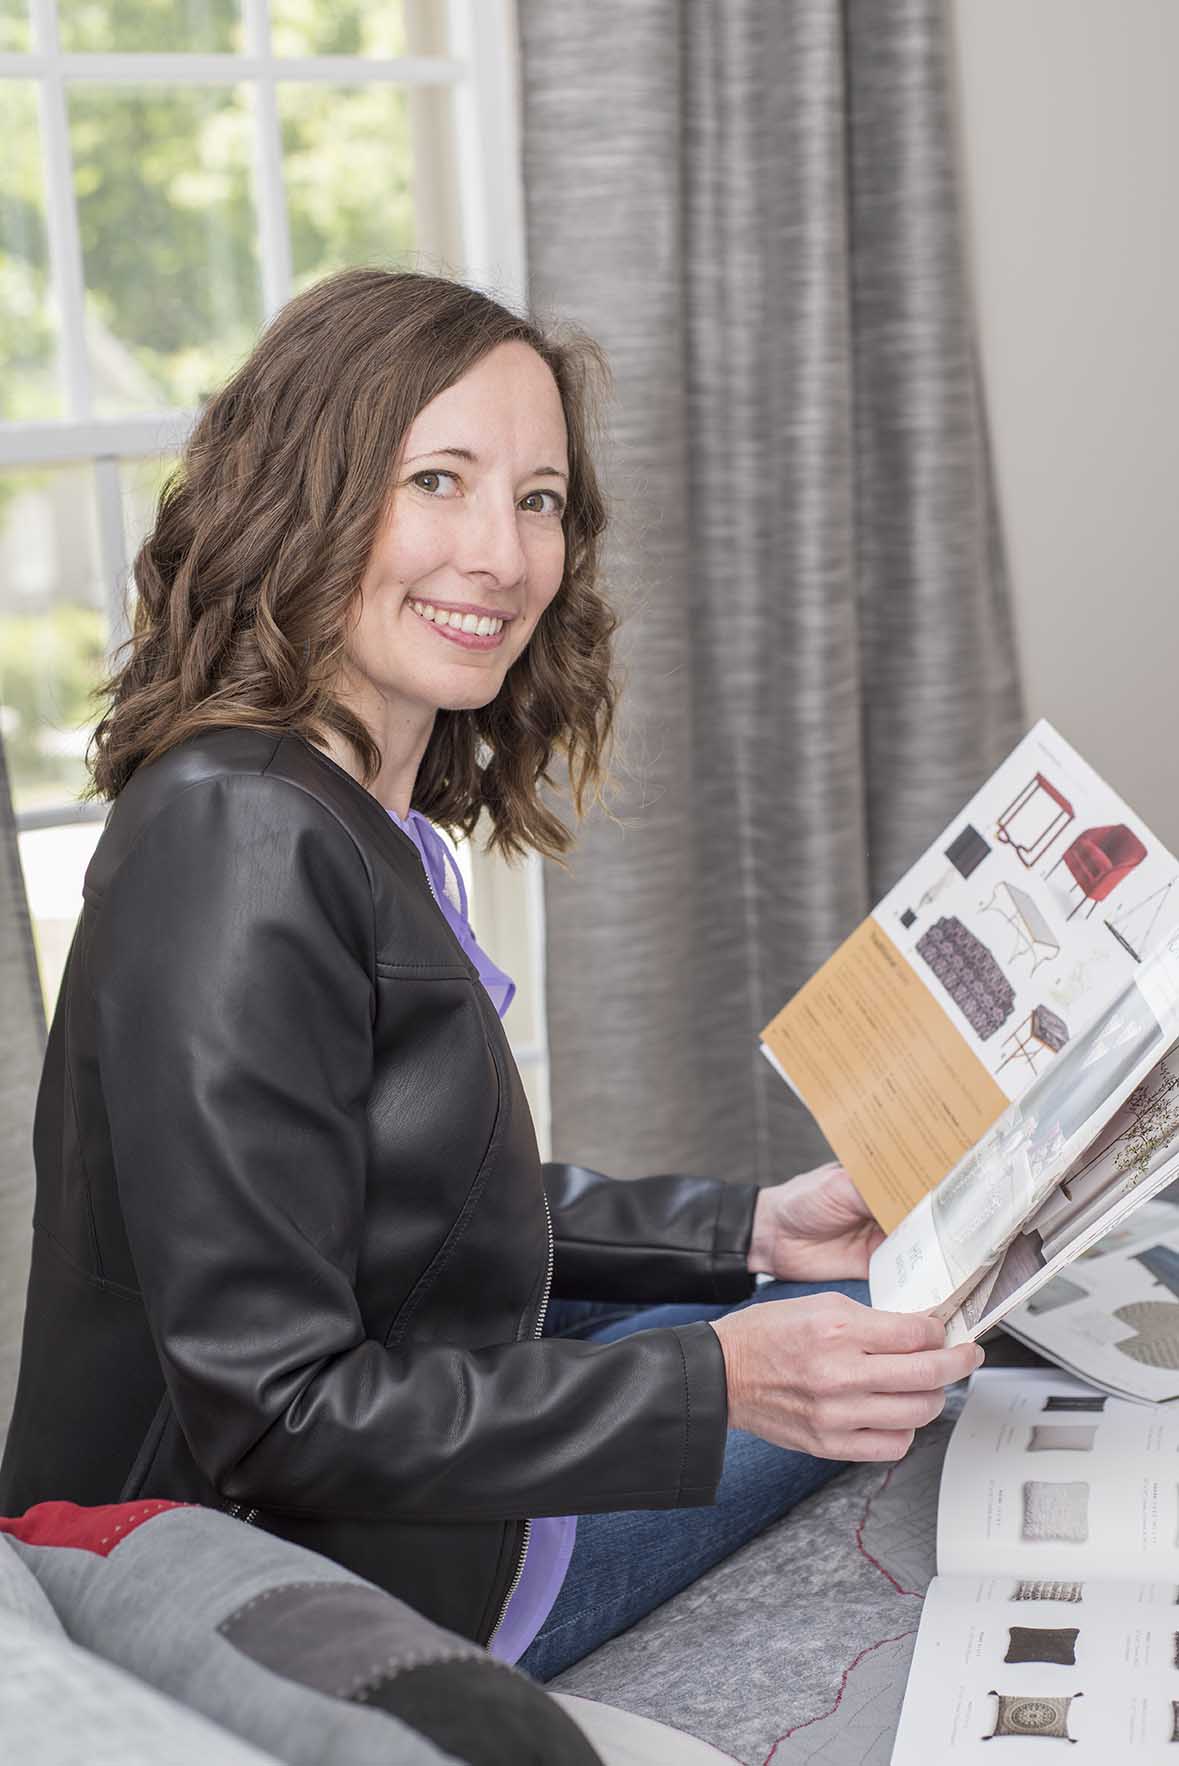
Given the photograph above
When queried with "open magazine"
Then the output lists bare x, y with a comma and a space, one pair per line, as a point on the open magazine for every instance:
994, 1053
1114, 1318
1055, 1610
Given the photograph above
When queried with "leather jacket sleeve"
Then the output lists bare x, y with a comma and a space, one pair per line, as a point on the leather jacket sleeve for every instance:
231, 964
649, 1239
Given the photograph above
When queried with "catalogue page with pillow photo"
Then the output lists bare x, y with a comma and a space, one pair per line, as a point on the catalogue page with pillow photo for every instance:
1055, 1610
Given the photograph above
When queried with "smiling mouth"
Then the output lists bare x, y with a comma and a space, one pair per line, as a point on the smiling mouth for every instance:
474, 631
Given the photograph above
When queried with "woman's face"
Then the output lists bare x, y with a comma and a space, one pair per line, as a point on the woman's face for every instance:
472, 549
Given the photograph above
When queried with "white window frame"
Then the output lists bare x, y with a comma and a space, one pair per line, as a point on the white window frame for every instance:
481, 72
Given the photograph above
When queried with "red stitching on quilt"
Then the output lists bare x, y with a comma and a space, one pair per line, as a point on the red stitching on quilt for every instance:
914, 1593
847, 1672
911, 1593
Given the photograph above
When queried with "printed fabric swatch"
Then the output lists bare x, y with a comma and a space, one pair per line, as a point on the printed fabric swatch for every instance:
1056, 1511
1058, 1292
1155, 1324
1035, 1643
1069, 1591
1176, 1656
1023, 1715
1067, 1401
1062, 1438
1175, 1719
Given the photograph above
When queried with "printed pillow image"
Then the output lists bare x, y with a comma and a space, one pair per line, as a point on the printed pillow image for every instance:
1067, 1591
1025, 1715
1062, 1438
1058, 1512
1034, 1643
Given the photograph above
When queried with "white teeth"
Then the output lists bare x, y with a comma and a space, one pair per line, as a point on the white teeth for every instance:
484, 626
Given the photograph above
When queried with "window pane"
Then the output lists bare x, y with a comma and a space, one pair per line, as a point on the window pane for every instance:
169, 239
14, 26
52, 630
28, 369
123, 25
348, 166
349, 27
54, 863
141, 482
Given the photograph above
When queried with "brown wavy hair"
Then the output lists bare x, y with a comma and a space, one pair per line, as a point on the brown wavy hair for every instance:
248, 582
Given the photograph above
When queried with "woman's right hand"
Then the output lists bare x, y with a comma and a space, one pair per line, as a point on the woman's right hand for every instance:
830, 1377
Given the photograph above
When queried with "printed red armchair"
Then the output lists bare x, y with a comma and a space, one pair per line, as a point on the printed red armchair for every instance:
1099, 858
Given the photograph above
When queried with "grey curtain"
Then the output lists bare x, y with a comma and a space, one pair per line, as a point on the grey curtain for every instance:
22, 1041
753, 206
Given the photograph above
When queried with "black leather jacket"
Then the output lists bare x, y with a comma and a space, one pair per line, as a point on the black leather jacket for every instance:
292, 1247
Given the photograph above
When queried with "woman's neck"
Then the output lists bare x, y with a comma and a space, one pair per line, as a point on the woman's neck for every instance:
400, 732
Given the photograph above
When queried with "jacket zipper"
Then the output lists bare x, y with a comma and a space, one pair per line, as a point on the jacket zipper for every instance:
239, 1512
540, 1317
539, 1327
250, 1516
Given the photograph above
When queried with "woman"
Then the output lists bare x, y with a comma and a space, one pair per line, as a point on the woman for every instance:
294, 1246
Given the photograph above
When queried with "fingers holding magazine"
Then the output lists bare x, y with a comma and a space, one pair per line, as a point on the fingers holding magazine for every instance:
830, 1377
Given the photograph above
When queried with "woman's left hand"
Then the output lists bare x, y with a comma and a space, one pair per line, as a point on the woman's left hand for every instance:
815, 1227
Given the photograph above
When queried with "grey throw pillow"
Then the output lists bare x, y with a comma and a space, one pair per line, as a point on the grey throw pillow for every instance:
60, 1704
283, 1647
1058, 1512
1062, 1438
1042, 1643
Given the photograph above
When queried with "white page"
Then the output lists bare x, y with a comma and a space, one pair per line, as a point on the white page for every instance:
1076, 1318
1091, 963
1123, 1669
1016, 1500
1133, 1144
978, 972
933, 1259
999, 1309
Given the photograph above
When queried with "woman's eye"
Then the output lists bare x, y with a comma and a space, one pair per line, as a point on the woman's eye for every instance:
535, 504
432, 482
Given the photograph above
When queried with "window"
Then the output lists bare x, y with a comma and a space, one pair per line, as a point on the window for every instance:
172, 173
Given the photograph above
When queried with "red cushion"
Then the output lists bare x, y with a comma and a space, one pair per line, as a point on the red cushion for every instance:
1100, 857
85, 1529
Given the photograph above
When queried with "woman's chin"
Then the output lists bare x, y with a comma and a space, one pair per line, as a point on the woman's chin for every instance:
473, 693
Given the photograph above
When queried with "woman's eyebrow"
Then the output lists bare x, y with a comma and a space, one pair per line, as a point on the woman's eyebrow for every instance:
473, 459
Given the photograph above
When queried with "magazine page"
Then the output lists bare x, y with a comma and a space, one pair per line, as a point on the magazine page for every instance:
1046, 1478
1114, 1318
972, 977
1023, 1271
1040, 1658
939, 1254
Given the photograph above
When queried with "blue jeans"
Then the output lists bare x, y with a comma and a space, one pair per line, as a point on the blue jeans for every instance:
624, 1565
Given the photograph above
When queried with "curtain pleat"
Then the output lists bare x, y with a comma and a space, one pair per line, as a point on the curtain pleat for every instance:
754, 208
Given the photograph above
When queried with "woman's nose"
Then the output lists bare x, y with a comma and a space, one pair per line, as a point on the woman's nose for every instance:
491, 544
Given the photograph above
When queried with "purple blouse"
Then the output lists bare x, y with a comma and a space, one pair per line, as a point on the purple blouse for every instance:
550, 1539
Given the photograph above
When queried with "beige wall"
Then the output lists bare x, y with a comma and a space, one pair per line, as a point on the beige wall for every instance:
1070, 124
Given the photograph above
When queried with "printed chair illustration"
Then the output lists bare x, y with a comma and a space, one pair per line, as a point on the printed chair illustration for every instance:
1041, 1032
1099, 859
1033, 820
